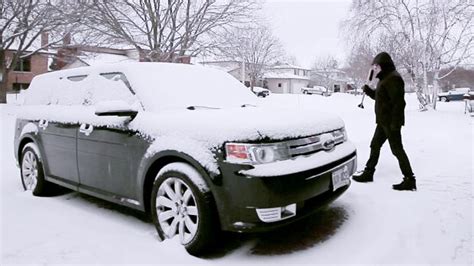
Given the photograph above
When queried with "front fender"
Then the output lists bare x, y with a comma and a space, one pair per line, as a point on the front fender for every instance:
150, 165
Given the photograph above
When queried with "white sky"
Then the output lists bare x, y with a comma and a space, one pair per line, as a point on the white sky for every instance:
308, 28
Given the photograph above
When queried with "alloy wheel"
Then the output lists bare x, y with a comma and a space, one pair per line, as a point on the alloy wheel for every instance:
177, 210
29, 170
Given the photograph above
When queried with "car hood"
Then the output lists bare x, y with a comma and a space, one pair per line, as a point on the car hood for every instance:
217, 126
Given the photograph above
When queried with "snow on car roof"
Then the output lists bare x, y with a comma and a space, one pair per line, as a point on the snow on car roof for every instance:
160, 85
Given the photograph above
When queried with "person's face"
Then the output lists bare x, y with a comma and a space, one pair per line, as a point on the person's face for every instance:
376, 69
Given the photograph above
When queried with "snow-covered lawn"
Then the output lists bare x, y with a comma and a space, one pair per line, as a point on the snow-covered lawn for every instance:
370, 223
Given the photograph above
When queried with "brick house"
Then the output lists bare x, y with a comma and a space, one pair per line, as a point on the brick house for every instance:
27, 68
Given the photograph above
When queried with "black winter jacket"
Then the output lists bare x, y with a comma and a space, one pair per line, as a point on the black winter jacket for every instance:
389, 95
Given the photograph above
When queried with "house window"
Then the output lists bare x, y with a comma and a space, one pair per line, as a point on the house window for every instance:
23, 65
17, 87
279, 85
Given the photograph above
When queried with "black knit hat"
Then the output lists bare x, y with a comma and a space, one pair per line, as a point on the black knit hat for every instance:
384, 61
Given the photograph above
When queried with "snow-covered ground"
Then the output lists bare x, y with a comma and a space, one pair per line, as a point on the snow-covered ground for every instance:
370, 223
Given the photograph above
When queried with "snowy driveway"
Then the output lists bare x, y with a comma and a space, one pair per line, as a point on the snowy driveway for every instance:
370, 223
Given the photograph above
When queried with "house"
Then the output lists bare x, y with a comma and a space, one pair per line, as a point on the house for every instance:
27, 67
335, 80
77, 55
234, 68
74, 56
286, 78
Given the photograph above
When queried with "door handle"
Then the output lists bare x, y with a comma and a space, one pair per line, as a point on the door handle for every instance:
43, 124
86, 129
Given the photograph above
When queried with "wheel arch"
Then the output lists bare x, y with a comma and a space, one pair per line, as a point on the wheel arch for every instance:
22, 143
160, 160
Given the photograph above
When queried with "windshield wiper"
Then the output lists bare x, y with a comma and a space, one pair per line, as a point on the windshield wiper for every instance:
194, 107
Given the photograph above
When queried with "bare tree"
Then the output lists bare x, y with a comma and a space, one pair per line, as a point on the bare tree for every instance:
166, 30
450, 39
21, 24
322, 70
358, 63
255, 46
327, 62
424, 36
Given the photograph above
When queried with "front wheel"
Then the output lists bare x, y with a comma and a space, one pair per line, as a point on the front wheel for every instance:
183, 206
32, 175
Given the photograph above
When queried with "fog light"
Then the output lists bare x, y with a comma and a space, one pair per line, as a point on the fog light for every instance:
269, 215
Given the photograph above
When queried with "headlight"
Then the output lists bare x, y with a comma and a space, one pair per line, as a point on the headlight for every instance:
340, 135
256, 153
344, 133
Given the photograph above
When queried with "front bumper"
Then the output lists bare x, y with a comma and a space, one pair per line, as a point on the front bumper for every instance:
238, 196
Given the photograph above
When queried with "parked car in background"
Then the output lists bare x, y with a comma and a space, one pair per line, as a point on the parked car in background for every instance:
453, 95
355, 91
261, 92
319, 90
198, 156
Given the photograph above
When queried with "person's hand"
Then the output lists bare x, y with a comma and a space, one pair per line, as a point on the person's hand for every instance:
365, 88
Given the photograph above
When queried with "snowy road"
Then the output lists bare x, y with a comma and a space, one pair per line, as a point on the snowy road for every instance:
370, 223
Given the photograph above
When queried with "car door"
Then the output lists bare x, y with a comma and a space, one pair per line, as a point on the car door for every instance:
108, 156
59, 146
59, 138
108, 159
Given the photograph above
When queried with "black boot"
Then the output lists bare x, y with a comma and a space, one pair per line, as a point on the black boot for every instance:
408, 183
363, 176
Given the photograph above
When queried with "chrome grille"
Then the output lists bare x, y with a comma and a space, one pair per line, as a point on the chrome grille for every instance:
312, 144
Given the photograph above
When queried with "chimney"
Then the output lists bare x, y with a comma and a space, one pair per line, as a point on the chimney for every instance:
44, 39
67, 39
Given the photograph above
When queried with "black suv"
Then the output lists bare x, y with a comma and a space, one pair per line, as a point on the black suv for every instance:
189, 145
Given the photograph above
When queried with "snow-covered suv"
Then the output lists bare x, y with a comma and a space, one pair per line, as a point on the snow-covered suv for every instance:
190, 145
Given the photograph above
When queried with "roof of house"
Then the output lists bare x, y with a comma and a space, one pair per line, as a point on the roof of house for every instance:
288, 66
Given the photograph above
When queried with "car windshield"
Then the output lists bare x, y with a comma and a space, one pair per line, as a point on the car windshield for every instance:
163, 86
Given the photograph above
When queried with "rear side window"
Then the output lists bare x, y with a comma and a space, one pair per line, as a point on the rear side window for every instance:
82, 89
77, 78
107, 87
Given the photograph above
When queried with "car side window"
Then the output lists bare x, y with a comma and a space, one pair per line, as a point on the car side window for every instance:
118, 76
68, 90
108, 87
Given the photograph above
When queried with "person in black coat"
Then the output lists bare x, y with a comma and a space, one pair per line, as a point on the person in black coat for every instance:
390, 117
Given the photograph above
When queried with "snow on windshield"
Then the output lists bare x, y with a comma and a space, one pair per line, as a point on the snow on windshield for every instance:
169, 86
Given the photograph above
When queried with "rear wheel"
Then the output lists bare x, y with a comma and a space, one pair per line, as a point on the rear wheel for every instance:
181, 208
32, 175
443, 99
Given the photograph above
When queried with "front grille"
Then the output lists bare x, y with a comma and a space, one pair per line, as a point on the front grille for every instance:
312, 144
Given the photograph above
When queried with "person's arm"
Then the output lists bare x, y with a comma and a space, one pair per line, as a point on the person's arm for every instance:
396, 93
367, 90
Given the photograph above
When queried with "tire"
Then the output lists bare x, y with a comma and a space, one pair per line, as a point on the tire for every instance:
192, 215
31, 169
305, 92
443, 99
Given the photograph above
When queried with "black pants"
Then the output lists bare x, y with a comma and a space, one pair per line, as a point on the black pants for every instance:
382, 133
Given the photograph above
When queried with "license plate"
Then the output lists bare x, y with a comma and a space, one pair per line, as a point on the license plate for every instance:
340, 177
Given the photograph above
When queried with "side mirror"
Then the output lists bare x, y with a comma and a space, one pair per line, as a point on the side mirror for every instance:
115, 108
